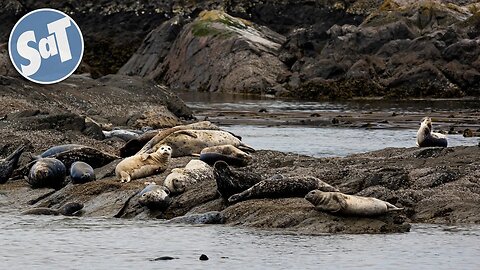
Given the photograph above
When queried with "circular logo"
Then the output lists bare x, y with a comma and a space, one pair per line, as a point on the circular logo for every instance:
46, 46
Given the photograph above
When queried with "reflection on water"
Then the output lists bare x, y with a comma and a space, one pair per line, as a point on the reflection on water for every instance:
44, 242
323, 142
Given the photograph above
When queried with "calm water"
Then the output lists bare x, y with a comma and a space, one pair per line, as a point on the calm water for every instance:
32, 242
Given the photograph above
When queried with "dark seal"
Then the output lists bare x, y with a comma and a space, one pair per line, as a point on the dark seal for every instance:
230, 181
282, 187
68, 209
8, 164
47, 172
81, 172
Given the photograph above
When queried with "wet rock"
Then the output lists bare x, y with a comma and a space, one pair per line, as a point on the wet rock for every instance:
203, 257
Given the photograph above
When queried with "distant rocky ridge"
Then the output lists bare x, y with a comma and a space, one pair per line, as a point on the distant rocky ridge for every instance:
323, 49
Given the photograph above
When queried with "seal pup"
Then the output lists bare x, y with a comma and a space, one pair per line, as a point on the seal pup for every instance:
228, 153
230, 181
212, 217
8, 164
47, 172
427, 138
282, 187
143, 165
181, 178
68, 209
154, 197
81, 172
337, 202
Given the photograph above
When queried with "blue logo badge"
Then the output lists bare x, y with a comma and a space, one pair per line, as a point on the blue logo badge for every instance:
46, 46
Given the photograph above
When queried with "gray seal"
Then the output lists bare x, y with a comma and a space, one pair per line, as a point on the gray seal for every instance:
282, 187
213, 217
154, 197
68, 209
427, 138
81, 172
59, 149
339, 203
9, 164
47, 172
231, 181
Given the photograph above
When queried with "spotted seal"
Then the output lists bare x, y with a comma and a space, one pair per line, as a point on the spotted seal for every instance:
8, 164
143, 165
282, 187
47, 172
337, 202
81, 172
68, 209
228, 153
181, 178
154, 197
427, 138
212, 217
192, 142
231, 181
58, 149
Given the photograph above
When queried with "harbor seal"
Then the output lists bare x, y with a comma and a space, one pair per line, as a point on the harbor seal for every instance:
47, 172
228, 153
181, 178
339, 203
231, 181
154, 197
212, 217
133, 146
143, 165
68, 209
81, 172
427, 138
192, 142
282, 187
8, 164
58, 149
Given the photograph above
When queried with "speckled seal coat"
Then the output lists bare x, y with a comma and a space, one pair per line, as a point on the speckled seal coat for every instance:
47, 172
181, 178
337, 202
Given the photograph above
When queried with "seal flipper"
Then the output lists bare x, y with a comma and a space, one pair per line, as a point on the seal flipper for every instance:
187, 132
8, 165
246, 148
391, 207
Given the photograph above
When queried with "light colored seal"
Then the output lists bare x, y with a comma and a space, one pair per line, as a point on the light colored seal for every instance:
228, 153
181, 178
192, 142
339, 203
81, 172
282, 187
47, 172
154, 197
427, 138
143, 165
68, 209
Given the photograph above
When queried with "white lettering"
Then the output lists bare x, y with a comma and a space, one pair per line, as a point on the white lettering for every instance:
28, 53
52, 47
58, 28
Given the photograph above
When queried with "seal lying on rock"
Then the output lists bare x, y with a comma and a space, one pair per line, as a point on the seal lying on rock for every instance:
8, 164
81, 172
58, 149
228, 153
122, 134
68, 209
231, 181
143, 165
213, 217
155, 197
282, 187
427, 138
337, 202
47, 172
192, 142
180, 178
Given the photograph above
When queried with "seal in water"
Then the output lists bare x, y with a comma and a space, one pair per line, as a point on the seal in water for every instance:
427, 138
81, 172
68, 209
181, 178
231, 181
143, 165
192, 142
339, 203
8, 164
154, 197
213, 217
282, 187
47, 172
228, 153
